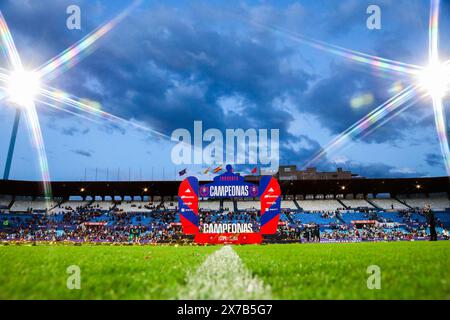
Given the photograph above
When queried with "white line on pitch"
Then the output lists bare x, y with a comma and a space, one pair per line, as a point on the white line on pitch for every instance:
223, 276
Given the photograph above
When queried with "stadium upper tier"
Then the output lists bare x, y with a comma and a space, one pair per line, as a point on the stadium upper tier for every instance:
320, 205
248, 205
356, 203
103, 205
209, 205
32, 205
388, 204
347, 188
133, 206
288, 204
437, 203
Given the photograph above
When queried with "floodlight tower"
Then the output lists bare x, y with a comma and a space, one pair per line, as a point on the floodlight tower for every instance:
12, 144
22, 87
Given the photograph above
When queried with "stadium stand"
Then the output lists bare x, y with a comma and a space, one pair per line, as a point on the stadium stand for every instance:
356, 203
352, 216
155, 219
312, 218
102, 205
388, 204
68, 206
444, 219
133, 206
25, 205
288, 204
415, 202
209, 205
390, 217
248, 205
439, 203
228, 205
319, 205
171, 205
5, 202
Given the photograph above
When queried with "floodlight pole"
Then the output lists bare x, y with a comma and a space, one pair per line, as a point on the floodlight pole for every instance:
12, 144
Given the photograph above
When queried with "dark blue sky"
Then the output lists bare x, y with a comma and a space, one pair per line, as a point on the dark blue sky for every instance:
172, 62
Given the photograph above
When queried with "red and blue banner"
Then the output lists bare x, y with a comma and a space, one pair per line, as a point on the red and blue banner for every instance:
229, 185
188, 205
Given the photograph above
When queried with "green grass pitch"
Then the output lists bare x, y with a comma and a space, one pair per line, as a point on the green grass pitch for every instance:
409, 270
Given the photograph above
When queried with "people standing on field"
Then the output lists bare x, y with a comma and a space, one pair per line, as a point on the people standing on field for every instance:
429, 214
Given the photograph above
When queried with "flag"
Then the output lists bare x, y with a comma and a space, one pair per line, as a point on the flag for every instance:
254, 170
206, 171
219, 168
182, 172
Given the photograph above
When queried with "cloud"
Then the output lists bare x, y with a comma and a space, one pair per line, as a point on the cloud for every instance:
434, 160
169, 66
70, 131
83, 153
380, 170
175, 71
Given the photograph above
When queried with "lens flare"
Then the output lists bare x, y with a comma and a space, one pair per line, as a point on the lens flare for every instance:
441, 130
23, 87
378, 63
9, 48
396, 87
34, 130
366, 123
361, 100
438, 86
71, 101
435, 79
69, 57
433, 31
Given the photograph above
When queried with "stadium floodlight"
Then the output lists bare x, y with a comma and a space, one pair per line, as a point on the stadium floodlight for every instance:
436, 79
22, 87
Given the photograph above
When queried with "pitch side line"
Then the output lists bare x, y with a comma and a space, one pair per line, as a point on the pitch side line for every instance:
223, 276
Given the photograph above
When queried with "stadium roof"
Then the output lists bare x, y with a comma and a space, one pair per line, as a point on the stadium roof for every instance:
170, 188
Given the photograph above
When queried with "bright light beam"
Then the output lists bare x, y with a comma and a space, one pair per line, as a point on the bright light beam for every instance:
374, 61
71, 55
54, 106
9, 48
435, 79
62, 97
367, 122
395, 114
72, 101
